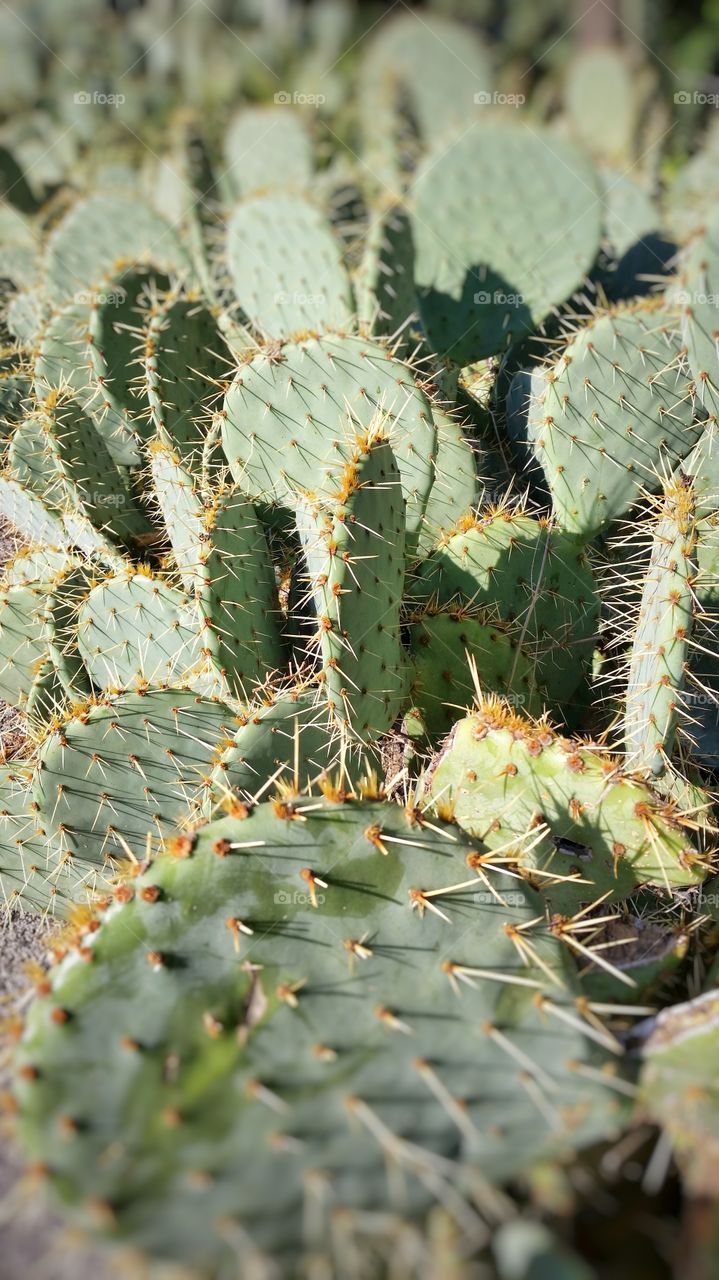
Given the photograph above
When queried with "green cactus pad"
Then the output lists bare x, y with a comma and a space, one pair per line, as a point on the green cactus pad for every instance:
31, 878
266, 148
128, 767
26, 315
697, 293
292, 1006
15, 391
46, 699
115, 349
679, 1087
102, 230
138, 630
222, 554
706, 582
384, 281
383, 131
39, 658
62, 357
32, 460
57, 454
70, 356
536, 577
660, 646
293, 741
439, 69
701, 466
690, 200
183, 365
617, 414
490, 265
286, 267
23, 640
27, 513
37, 564
443, 645
18, 247
91, 482
570, 808
602, 103
237, 595
455, 488
354, 554
181, 504
65, 594
92, 542
630, 215
292, 415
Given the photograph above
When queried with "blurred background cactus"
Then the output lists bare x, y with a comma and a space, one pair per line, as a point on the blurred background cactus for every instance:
359, 496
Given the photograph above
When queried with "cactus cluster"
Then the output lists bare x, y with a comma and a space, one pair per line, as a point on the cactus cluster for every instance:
360, 619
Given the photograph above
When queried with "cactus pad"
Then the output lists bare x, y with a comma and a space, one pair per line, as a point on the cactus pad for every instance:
660, 647
292, 416
535, 576
288, 986
99, 231
138, 630
354, 552
125, 769
565, 808
489, 263
286, 267
616, 414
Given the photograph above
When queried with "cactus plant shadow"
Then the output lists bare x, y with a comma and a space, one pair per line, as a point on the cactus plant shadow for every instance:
636, 273
488, 316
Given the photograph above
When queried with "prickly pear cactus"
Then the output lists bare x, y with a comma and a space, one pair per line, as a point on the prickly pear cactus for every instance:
303, 404
359, 480
354, 554
583, 827
262, 1004
624, 378
679, 1086
490, 266
661, 644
